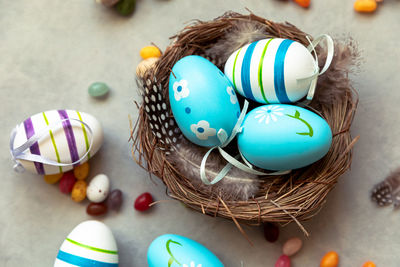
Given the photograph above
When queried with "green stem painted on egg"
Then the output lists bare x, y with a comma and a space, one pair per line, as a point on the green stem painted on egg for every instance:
172, 258
297, 117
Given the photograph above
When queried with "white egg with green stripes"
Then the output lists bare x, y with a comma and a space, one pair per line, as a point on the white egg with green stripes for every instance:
272, 71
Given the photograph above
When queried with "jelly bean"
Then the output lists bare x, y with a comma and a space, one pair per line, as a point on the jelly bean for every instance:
107, 3
114, 200
98, 89
96, 209
271, 232
144, 65
81, 172
303, 3
126, 7
331, 259
79, 191
143, 202
292, 246
150, 51
53, 178
365, 6
67, 182
369, 264
283, 261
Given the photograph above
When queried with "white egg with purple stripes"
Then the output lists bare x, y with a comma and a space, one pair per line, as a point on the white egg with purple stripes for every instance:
91, 243
63, 139
272, 70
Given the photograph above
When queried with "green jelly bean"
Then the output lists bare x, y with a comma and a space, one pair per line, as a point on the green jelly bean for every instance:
98, 89
126, 7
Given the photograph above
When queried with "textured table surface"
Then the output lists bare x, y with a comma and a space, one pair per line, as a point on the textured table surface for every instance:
50, 51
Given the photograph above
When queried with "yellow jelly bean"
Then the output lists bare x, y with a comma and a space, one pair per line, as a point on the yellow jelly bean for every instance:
331, 259
81, 172
79, 191
369, 264
150, 51
365, 6
53, 178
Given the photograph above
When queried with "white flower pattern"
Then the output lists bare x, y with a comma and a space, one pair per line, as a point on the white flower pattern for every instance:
192, 264
181, 90
268, 113
232, 94
202, 130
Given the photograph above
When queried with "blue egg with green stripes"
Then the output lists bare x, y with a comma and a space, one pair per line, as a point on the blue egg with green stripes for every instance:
91, 243
272, 71
283, 137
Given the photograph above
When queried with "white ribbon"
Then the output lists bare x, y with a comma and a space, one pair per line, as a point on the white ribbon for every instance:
20, 153
232, 161
329, 56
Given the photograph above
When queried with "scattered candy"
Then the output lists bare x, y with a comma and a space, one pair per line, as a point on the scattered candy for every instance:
98, 188
283, 261
126, 7
107, 3
67, 182
79, 191
98, 89
303, 3
96, 209
369, 264
365, 6
150, 51
53, 178
143, 202
81, 172
271, 232
292, 246
331, 259
144, 65
114, 200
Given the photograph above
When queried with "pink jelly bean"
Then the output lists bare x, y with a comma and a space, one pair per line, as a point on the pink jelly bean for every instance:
283, 261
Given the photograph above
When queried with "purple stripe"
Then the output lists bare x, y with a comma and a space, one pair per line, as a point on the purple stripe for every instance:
69, 133
29, 131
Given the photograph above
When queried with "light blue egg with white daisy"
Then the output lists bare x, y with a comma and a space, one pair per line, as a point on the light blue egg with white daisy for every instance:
171, 250
202, 100
283, 137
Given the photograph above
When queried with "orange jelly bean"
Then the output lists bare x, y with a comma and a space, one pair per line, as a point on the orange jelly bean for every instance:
331, 259
369, 264
81, 172
365, 6
303, 3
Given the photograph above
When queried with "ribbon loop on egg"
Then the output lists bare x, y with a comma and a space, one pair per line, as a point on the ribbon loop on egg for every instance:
19, 153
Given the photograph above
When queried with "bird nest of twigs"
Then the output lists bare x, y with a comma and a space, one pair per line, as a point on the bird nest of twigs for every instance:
296, 196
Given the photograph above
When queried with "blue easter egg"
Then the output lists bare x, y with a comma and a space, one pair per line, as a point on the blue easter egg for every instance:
283, 137
174, 250
202, 100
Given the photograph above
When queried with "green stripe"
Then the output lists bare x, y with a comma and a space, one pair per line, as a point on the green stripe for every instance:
92, 248
260, 83
234, 67
54, 142
84, 134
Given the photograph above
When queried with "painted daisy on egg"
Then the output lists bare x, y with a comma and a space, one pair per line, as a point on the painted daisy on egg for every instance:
202, 130
232, 94
192, 264
269, 112
180, 89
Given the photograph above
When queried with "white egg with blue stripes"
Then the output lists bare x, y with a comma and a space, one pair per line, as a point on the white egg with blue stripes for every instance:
272, 71
91, 243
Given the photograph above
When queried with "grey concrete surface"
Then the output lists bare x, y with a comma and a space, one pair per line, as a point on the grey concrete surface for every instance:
50, 51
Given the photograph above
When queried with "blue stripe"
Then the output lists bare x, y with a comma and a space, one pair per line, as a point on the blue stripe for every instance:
80, 261
246, 85
279, 69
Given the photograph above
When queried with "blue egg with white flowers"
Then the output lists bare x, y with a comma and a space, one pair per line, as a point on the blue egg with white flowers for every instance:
283, 137
173, 251
203, 100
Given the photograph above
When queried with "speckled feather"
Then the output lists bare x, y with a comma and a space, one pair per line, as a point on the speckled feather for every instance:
388, 191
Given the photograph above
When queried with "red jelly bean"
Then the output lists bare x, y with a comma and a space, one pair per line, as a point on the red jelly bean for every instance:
271, 232
67, 182
96, 209
283, 261
143, 202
